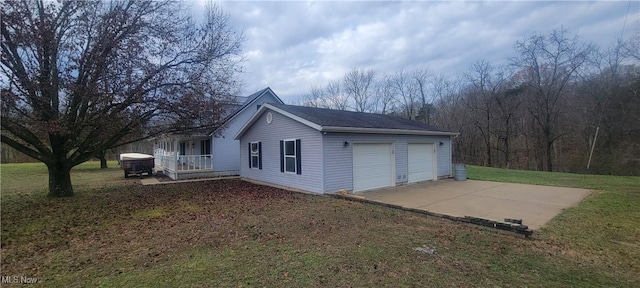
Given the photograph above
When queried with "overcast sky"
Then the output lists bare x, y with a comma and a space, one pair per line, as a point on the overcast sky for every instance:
293, 45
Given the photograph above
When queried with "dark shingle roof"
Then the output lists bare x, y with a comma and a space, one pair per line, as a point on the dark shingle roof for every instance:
340, 118
248, 101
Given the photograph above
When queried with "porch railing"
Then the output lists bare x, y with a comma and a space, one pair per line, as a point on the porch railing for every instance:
194, 162
167, 161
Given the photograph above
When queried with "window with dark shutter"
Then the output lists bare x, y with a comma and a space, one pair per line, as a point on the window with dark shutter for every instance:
255, 155
290, 161
260, 155
298, 159
281, 156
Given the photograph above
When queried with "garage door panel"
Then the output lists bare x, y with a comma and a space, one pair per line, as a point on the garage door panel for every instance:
421, 162
372, 166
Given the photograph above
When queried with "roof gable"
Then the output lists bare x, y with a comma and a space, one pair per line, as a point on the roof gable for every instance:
250, 100
329, 120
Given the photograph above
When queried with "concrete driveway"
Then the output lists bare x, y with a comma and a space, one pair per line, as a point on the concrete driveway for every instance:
534, 204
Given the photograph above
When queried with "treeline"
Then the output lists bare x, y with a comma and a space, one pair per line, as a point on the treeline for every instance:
560, 104
11, 155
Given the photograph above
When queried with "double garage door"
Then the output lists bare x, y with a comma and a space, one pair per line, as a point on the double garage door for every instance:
373, 165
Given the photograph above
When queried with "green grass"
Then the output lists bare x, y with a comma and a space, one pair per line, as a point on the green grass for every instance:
149, 213
117, 233
597, 182
33, 178
606, 224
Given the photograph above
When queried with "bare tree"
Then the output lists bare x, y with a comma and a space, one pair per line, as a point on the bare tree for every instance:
487, 104
547, 66
508, 102
439, 87
447, 99
609, 104
406, 93
334, 97
84, 76
384, 98
632, 45
314, 98
480, 102
358, 84
420, 79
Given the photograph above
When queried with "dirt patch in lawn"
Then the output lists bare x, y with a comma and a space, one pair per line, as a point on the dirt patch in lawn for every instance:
234, 233
162, 177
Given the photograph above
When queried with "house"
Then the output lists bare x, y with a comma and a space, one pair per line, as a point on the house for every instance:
217, 153
323, 150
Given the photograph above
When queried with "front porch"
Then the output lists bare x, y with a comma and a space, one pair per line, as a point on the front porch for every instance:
176, 156
179, 167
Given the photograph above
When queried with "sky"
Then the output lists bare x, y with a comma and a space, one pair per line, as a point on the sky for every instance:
293, 45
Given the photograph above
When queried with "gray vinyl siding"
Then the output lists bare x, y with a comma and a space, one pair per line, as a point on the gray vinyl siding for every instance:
226, 150
338, 161
283, 128
445, 161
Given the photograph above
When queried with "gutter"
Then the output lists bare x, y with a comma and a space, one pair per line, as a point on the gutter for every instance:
384, 131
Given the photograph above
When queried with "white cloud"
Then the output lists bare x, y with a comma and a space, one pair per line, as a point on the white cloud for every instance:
294, 45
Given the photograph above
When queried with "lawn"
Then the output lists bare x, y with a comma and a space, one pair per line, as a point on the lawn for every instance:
116, 233
31, 179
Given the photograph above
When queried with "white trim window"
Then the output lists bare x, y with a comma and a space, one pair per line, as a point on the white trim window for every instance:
290, 161
255, 155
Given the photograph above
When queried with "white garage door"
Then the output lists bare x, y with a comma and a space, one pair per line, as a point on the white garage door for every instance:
421, 162
372, 166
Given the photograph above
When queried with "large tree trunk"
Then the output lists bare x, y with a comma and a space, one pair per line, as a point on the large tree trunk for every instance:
59, 180
102, 155
489, 156
59, 168
549, 156
507, 156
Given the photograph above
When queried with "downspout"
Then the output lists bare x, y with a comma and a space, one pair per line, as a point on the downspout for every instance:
451, 137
